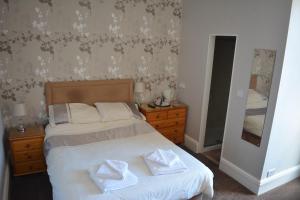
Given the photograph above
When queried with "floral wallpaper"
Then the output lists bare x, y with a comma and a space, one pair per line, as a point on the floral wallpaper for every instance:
263, 64
57, 40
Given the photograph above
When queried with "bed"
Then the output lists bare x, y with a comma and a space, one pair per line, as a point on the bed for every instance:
74, 152
255, 112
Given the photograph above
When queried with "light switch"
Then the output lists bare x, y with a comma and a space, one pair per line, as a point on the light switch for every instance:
181, 85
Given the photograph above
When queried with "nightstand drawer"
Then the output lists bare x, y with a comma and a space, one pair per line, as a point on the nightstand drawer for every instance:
28, 156
178, 113
179, 138
168, 123
154, 116
28, 144
172, 133
29, 167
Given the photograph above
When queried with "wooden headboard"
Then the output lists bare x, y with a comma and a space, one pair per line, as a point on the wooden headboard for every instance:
89, 92
253, 82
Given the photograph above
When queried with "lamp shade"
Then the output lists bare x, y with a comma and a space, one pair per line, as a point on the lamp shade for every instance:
19, 110
139, 87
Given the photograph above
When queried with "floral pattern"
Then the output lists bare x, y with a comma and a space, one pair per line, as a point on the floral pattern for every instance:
263, 64
58, 40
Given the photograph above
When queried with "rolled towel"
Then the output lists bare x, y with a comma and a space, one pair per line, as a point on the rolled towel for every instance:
106, 184
112, 169
156, 168
162, 157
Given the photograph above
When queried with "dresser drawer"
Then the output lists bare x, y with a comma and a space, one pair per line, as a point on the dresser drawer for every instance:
178, 113
28, 156
179, 138
173, 133
154, 116
29, 167
168, 123
26, 145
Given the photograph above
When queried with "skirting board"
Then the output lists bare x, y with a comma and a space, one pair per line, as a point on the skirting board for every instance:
279, 179
244, 178
5, 189
214, 147
191, 143
259, 186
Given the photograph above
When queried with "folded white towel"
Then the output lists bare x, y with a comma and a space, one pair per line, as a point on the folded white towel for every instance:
112, 169
163, 157
106, 184
156, 168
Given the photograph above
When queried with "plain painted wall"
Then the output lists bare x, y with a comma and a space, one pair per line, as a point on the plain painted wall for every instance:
2, 156
258, 24
284, 144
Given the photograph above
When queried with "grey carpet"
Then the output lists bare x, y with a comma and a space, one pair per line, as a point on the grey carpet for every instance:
226, 188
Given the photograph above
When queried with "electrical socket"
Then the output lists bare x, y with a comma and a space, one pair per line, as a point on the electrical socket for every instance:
271, 172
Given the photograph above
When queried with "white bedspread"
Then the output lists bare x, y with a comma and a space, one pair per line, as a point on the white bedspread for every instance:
256, 100
254, 124
67, 167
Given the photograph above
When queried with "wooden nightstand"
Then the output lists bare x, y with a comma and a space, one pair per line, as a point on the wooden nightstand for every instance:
169, 121
27, 150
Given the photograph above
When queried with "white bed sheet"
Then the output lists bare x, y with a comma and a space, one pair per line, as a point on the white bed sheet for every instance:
254, 124
256, 100
67, 167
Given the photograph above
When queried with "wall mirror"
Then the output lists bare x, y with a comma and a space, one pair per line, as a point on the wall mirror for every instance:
258, 95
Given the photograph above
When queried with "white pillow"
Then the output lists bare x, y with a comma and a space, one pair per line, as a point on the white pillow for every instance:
114, 111
82, 113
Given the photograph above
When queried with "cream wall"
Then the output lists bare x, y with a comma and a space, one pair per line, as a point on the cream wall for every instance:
284, 145
57, 40
261, 24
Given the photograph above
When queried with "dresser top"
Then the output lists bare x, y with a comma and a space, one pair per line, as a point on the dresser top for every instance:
146, 108
30, 132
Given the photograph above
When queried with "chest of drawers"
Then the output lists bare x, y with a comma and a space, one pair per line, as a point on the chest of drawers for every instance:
169, 121
27, 150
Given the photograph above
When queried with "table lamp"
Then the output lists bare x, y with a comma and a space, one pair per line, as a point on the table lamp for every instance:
19, 112
139, 89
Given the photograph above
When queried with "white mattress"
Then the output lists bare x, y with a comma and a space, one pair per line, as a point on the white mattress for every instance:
256, 100
67, 167
254, 124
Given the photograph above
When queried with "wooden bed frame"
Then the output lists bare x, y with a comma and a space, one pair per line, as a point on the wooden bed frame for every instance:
253, 82
89, 92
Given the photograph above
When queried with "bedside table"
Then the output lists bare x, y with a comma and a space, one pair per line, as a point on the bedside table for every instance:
169, 121
27, 150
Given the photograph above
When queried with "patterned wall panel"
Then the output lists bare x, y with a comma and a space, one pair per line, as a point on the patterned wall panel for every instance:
56, 40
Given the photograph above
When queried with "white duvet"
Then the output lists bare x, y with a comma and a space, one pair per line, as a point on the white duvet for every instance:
254, 124
68, 166
256, 100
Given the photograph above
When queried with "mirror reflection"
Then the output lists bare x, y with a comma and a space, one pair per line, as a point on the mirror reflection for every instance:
258, 95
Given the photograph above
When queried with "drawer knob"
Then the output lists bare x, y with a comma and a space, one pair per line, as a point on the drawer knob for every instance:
27, 145
156, 126
157, 116
29, 157
177, 114
175, 130
176, 123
